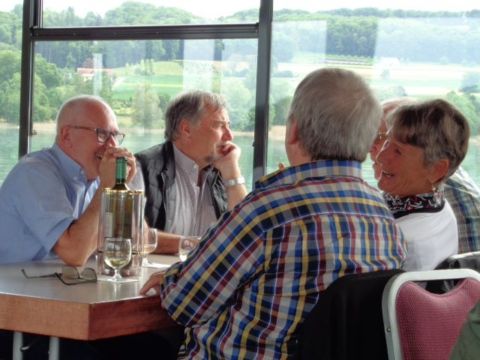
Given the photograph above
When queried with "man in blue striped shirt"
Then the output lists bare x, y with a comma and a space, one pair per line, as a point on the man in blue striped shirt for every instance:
242, 293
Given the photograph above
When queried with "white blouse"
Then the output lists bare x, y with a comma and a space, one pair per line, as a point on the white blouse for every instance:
431, 237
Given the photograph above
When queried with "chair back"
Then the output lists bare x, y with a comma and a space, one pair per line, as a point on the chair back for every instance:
346, 323
423, 325
469, 260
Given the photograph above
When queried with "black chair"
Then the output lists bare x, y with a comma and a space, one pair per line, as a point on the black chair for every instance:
469, 260
347, 322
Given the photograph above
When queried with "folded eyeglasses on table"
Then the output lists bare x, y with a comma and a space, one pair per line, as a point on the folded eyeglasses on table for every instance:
69, 275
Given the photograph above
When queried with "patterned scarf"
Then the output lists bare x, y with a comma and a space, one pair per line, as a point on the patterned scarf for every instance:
430, 202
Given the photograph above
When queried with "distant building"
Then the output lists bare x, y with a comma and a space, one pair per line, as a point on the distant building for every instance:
89, 73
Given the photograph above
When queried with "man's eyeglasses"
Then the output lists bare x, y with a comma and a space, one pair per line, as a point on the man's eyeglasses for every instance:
69, 275
102, 134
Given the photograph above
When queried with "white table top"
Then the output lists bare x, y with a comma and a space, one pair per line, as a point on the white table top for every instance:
13, 282
83, 311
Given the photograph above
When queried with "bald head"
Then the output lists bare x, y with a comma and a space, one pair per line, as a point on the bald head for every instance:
79, 123
75, 111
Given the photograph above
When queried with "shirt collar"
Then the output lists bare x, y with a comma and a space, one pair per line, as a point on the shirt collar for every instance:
421, 203
312, 170
184, 163
71, 168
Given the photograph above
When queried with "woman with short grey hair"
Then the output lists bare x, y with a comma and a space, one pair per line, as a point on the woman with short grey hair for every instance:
425, 145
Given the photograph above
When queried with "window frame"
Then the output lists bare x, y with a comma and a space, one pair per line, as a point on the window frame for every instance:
33, 31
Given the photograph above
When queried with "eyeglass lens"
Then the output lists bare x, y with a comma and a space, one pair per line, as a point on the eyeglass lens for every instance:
70, 272
103, 136
36, 276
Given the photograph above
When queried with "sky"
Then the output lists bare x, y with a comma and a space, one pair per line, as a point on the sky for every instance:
227, 7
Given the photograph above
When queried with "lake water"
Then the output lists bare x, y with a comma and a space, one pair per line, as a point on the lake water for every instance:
137, 140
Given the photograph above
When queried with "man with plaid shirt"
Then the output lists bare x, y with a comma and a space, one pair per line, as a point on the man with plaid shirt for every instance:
255, 276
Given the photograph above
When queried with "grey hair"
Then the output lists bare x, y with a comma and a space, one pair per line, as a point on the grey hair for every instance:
189, 106
336, 113
75, 102
435, 126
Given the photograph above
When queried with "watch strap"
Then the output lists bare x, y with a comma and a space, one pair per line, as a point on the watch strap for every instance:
232, 182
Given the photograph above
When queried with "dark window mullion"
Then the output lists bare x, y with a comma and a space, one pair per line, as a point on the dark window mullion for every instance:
263, 89
233, 31
31, 18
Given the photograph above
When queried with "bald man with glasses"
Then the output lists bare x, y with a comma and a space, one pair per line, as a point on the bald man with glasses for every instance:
50, 200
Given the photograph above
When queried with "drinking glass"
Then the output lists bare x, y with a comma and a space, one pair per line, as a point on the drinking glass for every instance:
118, 253
187, 244
149, 246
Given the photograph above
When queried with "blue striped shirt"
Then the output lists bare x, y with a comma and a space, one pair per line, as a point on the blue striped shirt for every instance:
256, 274
43, 194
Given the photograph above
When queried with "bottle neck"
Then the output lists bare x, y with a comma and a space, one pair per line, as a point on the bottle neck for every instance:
121, 174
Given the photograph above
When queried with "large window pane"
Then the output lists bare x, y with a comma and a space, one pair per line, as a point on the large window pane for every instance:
406, 49
138, 78
76, 13
10, 59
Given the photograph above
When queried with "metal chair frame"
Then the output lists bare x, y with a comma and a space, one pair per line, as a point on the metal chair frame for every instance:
392, 335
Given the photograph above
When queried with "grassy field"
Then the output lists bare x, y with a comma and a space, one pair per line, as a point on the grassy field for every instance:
169, 78
164, 77
125, 87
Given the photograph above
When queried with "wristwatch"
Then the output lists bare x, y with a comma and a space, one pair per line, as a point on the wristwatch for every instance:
232, 182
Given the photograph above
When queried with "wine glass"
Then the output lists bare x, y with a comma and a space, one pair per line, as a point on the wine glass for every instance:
149, 246
187, 244
118, 253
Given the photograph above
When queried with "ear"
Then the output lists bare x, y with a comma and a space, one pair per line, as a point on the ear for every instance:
439, 171
185, 129
64, 136
291, 136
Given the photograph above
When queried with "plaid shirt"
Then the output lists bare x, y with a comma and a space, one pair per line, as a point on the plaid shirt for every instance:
464, 196
256, 274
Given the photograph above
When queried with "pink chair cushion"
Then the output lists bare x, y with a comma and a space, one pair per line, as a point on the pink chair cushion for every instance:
428, 323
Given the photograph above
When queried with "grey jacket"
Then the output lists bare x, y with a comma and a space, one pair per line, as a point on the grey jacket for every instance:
158, 169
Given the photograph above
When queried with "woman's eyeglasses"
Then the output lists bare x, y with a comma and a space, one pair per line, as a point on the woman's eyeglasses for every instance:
69, 275
381, 136
102, 134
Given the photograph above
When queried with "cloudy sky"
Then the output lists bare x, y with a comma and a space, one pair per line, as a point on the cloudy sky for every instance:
227, 7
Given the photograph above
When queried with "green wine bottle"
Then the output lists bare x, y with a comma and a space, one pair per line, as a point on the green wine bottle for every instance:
120, 174
122, 201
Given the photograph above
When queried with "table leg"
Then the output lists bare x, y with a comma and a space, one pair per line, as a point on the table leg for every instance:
17, 353
54, 348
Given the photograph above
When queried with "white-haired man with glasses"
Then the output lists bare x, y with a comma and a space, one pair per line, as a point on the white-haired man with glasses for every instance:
50, 200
